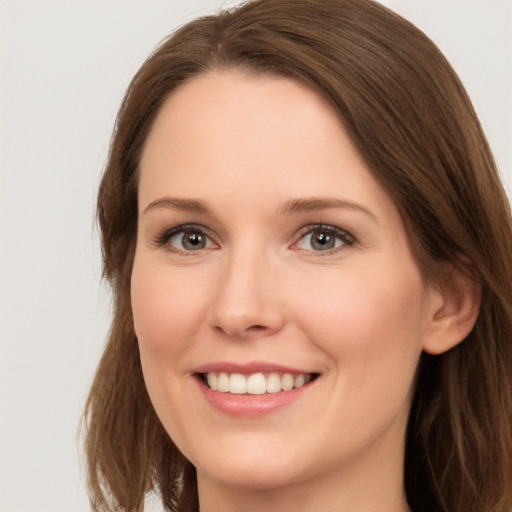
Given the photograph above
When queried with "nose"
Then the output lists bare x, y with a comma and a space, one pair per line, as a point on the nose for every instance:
246, 303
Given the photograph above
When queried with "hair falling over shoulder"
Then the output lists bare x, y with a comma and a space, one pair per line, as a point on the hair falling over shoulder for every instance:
413, 124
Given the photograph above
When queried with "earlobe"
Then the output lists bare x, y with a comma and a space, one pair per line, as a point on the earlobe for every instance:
456, 308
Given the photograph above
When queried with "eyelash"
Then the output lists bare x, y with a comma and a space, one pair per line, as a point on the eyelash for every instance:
346, 238
164, 237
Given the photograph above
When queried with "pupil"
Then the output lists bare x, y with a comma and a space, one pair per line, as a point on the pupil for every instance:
193, 241
322, 240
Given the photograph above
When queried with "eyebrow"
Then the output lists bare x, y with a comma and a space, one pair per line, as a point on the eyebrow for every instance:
290, 207
174, 203
314, 204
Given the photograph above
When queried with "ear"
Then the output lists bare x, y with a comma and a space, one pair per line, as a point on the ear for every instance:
455, 307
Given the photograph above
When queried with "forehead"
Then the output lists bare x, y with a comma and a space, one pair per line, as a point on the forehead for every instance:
226, 136
229, 107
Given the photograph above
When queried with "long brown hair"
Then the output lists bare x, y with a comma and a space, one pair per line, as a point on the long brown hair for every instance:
413, 124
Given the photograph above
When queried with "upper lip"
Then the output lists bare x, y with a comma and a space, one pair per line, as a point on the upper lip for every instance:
248, 368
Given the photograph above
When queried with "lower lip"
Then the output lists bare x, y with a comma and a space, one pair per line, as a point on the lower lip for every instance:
251, 406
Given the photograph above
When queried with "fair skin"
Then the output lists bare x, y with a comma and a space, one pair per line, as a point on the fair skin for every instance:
265, 246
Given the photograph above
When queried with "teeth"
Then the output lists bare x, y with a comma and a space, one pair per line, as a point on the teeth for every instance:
287, 382
256, 383
300, 380
223, 382
212, 381
274, 383
237, 384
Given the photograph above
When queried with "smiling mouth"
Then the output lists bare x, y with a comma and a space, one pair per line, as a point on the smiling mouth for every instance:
255, 383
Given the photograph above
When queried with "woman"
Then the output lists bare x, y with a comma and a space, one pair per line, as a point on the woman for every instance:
309, 248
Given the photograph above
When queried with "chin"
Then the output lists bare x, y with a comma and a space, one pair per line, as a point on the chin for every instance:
261, 472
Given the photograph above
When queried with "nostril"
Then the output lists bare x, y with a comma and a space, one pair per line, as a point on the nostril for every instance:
251, 331
257, 330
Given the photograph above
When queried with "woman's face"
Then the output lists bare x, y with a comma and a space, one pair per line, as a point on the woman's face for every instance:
268, 257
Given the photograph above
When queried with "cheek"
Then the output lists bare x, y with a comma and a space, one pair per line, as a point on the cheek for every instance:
167, 307
374, 320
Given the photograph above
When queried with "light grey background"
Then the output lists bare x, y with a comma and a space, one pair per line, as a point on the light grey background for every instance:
64, 66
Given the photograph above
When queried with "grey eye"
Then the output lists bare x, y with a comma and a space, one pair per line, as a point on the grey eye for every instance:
322, 240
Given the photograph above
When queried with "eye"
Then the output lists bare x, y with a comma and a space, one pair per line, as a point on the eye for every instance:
185, 239
189, 240
324, 239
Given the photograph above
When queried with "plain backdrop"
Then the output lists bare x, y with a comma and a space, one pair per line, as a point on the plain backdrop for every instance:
64, 66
